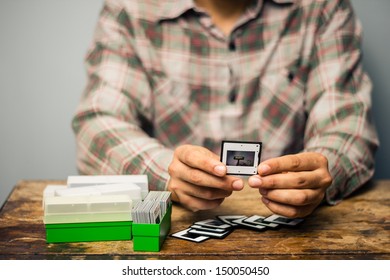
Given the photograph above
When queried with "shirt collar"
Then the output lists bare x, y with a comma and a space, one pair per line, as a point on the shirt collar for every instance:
284, 1
171, 9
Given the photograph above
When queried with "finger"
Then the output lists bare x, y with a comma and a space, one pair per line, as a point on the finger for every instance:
196, 204
185, 196
181, 187
201, 178
201, 158
289, 180
296, 162
294, 197
289, 210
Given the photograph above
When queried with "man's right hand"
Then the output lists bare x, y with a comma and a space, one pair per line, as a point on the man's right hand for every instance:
198, 178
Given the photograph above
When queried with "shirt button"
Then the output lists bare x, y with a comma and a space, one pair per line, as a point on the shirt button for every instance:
232, 46
232, 96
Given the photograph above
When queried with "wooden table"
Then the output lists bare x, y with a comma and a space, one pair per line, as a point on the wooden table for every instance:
358, 228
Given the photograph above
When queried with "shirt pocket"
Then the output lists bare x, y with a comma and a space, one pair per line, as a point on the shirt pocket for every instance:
282, 112
175, 115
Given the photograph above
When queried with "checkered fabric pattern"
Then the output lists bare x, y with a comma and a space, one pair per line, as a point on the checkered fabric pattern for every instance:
160, 75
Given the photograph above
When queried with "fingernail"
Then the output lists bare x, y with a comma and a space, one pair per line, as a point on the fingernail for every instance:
220, 170
238, 185
255, 181
265, 201
264, 168
263, 191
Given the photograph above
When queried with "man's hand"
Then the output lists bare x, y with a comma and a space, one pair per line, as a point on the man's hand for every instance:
198, 178
293, 185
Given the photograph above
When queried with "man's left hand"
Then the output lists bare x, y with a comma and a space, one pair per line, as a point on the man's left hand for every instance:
293, 185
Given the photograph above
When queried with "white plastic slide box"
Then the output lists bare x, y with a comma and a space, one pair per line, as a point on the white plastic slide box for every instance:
50, 191
85, 209
130, 189
93, 180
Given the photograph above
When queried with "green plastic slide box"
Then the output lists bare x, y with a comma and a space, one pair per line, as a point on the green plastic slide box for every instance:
150, 237
85, 232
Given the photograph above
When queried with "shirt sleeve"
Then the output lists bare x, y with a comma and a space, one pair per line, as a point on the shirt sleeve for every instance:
339, 123
115, 105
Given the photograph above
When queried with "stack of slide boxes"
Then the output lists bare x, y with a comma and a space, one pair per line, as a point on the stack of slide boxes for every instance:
95, 208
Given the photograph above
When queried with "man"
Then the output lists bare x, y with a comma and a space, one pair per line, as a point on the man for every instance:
169, 80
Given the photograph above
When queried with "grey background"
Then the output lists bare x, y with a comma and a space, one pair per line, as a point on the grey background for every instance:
43, 43
42, 76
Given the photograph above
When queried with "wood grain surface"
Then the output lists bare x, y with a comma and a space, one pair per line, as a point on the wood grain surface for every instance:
357, 228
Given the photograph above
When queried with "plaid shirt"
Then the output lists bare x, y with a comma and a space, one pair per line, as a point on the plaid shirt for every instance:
289, 75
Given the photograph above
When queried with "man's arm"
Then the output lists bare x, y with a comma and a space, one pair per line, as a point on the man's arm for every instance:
339, 101
340, 139
107, 123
